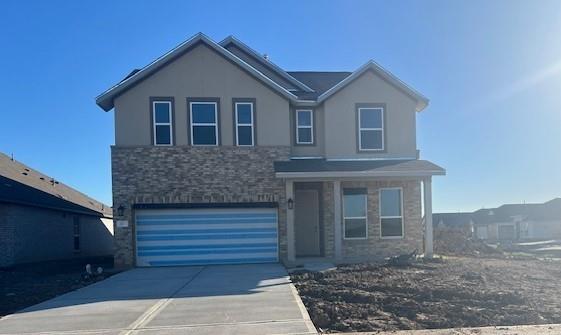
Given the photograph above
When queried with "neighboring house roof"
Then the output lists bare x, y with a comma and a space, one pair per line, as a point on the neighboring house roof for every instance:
299, 87
550, 210
355, 168
452, 219
23, 185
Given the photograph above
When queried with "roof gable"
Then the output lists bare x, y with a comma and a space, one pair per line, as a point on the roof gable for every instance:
105, 100
421, 100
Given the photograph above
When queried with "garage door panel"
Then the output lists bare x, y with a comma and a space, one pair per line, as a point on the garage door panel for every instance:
194, 237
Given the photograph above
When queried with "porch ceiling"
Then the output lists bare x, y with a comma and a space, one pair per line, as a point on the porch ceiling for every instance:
322, 168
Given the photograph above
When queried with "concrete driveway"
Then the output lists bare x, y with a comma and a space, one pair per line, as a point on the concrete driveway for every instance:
230, 299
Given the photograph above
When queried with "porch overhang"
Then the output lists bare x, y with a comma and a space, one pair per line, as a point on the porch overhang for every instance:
356, 169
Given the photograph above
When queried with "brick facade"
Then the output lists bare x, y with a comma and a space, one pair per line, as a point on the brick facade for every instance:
185, 174
32, 234
375, 247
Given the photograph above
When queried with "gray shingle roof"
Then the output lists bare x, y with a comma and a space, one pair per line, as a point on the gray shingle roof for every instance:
323, 165
452, 219
550, 210
24, 185
320, 81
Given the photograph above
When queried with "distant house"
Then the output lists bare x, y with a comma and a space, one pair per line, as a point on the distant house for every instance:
42, 219
519, 221
462, 221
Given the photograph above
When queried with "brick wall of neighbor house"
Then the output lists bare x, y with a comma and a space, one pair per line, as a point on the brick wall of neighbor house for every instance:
185, 174
375, 247
38, 234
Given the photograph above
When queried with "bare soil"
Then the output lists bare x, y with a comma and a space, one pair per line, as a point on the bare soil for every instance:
457, 292
29, 284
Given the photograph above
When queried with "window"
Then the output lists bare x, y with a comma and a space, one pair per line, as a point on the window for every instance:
304, 126
371, 128
244, 123
391, 217
204, 123
354, 213
162, 119
76, 233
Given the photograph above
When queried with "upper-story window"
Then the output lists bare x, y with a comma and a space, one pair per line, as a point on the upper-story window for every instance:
304, 126
244, 123
371, 128
204, 122
391, 212
162, 123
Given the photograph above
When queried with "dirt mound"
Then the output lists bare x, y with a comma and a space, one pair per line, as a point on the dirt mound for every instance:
449, 241
464, 292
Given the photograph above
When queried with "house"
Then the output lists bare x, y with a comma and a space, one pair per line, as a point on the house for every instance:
519, 221
222, 157
456, 221
43, 219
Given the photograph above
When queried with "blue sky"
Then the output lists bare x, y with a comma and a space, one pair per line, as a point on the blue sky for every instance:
492, 70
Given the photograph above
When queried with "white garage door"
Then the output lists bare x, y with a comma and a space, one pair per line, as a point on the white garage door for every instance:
206, 236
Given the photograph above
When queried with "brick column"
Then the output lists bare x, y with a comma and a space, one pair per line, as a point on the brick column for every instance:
427, 193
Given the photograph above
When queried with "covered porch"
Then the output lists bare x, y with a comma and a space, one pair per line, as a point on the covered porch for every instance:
352, 211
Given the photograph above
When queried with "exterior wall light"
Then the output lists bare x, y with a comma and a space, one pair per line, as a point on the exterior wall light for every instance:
290, 203
121, 210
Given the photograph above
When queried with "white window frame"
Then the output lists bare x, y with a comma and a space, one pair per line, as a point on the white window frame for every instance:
392, 217
360, 129
365, 217
245, 124
215, 124
311, 126
170, 123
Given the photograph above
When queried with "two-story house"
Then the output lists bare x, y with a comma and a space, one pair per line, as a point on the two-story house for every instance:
222, 157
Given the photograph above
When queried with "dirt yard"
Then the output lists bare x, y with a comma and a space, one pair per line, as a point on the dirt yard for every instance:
30, 284
458, 292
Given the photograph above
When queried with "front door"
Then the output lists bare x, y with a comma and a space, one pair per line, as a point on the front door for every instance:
307, 223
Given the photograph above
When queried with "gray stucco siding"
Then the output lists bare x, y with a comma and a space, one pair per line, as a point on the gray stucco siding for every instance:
201, 73
341, 125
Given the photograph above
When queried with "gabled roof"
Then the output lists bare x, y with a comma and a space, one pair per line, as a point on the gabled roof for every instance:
231, 40
371, 65
21, 184
300, 87
550, 210
105, 100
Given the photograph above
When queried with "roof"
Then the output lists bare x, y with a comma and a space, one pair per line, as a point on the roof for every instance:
550, 210
23, 185
356, 168
105, 99
452, 219
300, 87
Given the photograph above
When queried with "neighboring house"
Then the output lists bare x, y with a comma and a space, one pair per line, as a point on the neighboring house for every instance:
221, 157
42, 219
457, 221
519, 221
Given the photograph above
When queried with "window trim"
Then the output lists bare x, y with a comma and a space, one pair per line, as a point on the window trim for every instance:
311, 126
170, 102
204, 101
250, 102
392, 217
355, 217
359, 108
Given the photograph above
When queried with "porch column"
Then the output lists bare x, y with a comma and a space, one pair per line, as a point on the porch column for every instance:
290, 239
427, 192
337, 219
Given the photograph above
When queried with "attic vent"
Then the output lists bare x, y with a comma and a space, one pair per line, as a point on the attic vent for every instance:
24, 173
266, 56
42, 178
26, 169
